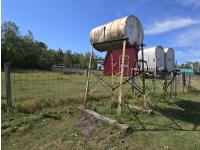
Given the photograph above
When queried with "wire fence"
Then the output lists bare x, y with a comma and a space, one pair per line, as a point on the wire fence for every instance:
43, 85
62, 85
3, 87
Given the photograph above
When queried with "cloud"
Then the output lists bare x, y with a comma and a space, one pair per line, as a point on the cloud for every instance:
169, 25
188, 38
187, 55
194, 3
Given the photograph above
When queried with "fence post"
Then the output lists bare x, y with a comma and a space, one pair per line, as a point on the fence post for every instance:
183, 82
8, 84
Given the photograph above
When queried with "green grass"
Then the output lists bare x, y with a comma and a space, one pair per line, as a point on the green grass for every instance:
47, 117
43, 85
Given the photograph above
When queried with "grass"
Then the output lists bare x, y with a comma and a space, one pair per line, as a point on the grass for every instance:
47, 117
37, 85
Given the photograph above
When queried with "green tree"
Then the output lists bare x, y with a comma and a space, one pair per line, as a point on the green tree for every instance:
26, 52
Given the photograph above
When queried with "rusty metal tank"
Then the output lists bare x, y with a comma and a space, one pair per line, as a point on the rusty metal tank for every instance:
110, 36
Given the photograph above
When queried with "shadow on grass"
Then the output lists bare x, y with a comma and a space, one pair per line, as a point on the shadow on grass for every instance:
173, 114
157, 127
182, 115
99, 98
188, 105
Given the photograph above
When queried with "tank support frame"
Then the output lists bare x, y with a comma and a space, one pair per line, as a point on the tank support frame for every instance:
110, 88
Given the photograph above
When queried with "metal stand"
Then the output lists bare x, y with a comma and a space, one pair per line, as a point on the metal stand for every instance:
170, 83
110, 88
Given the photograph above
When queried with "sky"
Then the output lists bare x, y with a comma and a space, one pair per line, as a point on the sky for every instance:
66, 24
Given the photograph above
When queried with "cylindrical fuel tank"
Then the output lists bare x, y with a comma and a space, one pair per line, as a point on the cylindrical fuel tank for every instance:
169, 59
110, 36
154, 56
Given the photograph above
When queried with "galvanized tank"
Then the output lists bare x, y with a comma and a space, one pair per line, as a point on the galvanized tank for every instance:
154, 56
109, 36
169, 59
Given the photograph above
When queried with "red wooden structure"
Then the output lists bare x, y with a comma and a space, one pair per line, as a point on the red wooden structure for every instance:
114, 58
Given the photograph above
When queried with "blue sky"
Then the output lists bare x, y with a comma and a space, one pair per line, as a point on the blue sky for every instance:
66, 24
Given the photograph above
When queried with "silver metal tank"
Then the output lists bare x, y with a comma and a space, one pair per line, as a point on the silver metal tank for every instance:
154, 56
110, 36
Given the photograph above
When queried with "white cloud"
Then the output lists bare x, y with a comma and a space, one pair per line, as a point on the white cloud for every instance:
169, 25
189, 38
194, 3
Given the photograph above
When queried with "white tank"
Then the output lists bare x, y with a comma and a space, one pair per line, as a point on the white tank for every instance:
109, 36
154, 57
169, 59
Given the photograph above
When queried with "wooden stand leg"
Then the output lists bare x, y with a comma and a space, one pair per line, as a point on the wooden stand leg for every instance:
176, 82
171, 88
174, 89
189, 83
143, 81
144, 92
112, 78
165, 86
119, 108
154, 89
88, 78
183, 82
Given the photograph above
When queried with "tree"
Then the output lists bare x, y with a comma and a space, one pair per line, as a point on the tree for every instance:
10, 37
9, 29
58, 57
26, 52
68, 58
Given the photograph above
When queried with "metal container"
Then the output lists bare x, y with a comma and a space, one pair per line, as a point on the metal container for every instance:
110, 36
154, 57
169, 59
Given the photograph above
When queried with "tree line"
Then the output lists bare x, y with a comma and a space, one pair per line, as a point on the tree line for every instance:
23, 51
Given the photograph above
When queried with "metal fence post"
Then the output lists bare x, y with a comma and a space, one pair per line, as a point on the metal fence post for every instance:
8, 84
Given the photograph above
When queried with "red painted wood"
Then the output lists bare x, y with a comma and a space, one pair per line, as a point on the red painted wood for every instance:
130, 61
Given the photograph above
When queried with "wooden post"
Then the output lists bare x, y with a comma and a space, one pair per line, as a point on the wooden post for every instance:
154, 88
143, 80
171, 86
88, 78
165, 85
183, 82
189, 83
8, 84
175, 83
112, 75
120, 102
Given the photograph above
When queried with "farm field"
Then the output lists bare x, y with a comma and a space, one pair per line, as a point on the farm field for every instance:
46, 116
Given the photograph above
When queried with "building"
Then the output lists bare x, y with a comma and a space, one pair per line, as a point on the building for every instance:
113, 61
